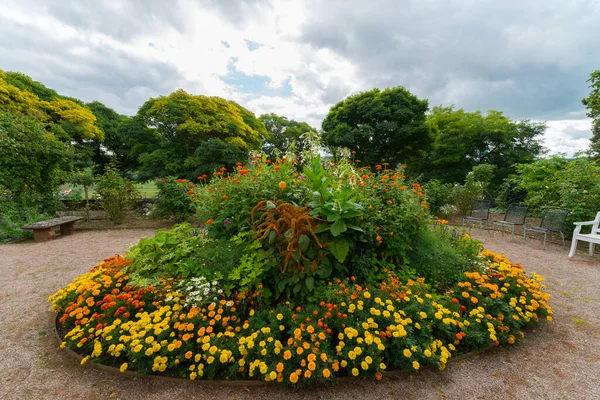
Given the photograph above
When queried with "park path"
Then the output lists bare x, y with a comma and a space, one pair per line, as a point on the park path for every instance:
560, 360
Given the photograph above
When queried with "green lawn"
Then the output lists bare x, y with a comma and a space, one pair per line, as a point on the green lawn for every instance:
147, 189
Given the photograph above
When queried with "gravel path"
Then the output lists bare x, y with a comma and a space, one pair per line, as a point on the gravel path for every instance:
559, 361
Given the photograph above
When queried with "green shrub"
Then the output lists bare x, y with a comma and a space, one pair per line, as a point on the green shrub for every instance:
116, 195
17, 211
558, 182
510, 193
437, 194
440, 258
173, 199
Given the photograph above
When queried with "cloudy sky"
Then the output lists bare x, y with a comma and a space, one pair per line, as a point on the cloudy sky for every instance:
530, 59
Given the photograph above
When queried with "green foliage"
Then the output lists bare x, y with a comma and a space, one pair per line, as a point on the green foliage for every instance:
463, 140
32, 160
441, 258
166, 254
437, 194
227, 200
179, 125
17, 211
284, 136
476, 182
592, 103
510, 193
173, 200
558, 182
116, 195
213, 155
379, 126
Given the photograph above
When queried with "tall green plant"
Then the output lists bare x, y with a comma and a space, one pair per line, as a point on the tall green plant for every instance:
115, 194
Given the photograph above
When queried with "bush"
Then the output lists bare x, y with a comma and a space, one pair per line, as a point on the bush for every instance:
441, 258
16, 212
116, 195
173, 199
558, 182
474, 188
510, 193
437, 194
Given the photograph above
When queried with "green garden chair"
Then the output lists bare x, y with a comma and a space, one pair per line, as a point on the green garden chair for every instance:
480, 211
515, 216
553, 220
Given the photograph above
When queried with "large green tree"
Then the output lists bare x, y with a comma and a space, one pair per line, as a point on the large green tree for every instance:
592, 103
386, 125
462, 140
179, 126
285, 135
32, 158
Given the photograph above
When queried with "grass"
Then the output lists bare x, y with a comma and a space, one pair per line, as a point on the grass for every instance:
148, 190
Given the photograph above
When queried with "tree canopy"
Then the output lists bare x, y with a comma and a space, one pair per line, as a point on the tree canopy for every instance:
180, 125
284, 135
462, 140
592, 103
386, 125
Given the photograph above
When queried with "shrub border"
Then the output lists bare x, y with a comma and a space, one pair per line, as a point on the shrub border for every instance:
233, 383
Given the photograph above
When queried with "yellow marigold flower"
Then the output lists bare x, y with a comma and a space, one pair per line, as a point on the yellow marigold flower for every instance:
84, 360
312, 366
355, 371
364, 365
427, 353
63, 345
465, 295
407, 353
344, 363
123, 367
415, 365
382, 366
279, 317
193, 375
474, 300
367, 296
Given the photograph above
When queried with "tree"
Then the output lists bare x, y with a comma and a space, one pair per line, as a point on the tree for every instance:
32, 160
463, 140
284, 135
592, 103
180, 125
114, 145
386, 125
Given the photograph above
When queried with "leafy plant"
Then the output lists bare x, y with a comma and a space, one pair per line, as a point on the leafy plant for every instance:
288, 234
116, 195
173, 199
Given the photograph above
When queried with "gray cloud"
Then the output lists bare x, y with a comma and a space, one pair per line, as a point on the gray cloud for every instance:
528, 59
84, 69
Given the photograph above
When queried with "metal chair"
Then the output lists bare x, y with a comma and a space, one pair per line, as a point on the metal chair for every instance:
553, 220
480, 211
515, 216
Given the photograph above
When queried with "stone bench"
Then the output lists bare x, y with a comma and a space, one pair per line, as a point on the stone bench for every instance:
44, 230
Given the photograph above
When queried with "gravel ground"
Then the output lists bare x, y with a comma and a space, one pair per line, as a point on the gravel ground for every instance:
561, 360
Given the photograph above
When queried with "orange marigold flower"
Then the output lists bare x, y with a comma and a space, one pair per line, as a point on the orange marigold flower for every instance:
188, 355
282, 185
287, 354
293, 377
209, 221
326, 373
224, 197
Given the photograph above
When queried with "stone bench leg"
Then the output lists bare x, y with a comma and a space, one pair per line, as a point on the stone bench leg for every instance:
67, 229
42, 235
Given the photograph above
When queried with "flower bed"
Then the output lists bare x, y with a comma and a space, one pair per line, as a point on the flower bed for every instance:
353, 331
301, 274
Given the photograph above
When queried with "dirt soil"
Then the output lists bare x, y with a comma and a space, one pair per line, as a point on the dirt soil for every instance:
560, 360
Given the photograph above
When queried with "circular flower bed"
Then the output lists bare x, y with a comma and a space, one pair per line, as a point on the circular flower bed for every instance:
281, 291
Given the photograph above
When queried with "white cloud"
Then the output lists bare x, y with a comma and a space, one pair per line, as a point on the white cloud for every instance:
568, 136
